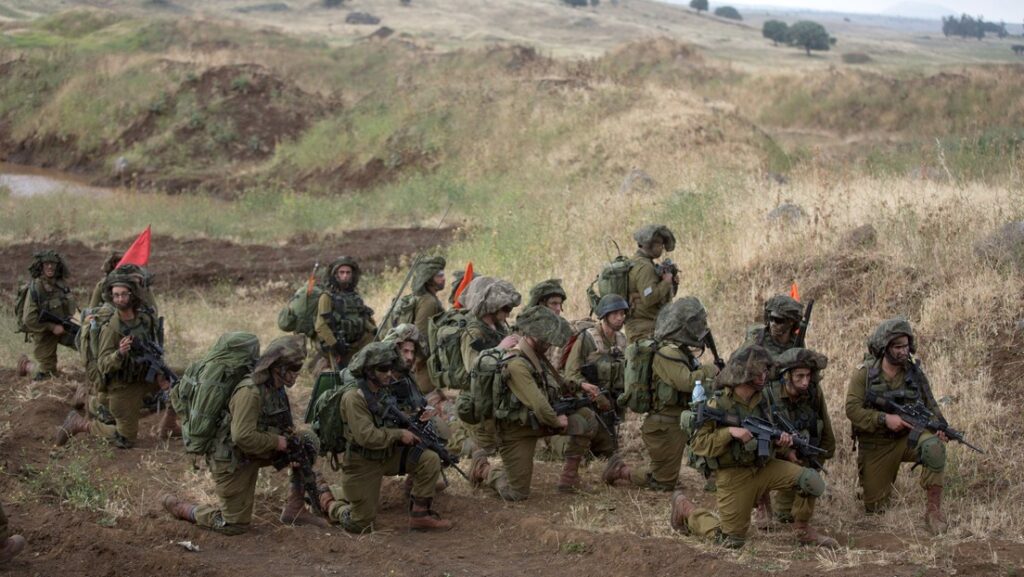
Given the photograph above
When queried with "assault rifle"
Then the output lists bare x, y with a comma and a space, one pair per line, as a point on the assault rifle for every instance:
430, 439
150, 355
801, 336
763, 430
709, 341
303, 453
920, 418
789, 427
609, 418
569, 405
70, 326
665, 266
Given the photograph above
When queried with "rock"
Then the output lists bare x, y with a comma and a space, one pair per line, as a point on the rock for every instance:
787, 213
121, 167
1004, 246
362, 18
381, 33
776, 177
638, 181
862, 237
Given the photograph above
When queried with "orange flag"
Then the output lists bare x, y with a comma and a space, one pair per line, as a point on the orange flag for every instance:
138, 253
466, 279
794, 291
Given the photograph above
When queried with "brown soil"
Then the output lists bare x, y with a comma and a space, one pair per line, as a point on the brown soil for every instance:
181, 264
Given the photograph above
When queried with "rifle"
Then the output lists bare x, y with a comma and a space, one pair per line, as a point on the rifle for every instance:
789, 427
303, 453
70, 326
430, 439
408, 277
763, 430
801, 336
709, 341
150, 355
665, 266
609, 418
920, 418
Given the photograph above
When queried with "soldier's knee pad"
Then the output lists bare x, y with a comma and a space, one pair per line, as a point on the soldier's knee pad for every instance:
582, 423
810, 483
932, 454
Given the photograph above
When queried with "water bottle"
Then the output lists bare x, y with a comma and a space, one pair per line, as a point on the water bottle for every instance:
699, 396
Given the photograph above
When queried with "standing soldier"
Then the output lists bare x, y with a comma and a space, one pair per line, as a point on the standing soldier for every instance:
427, 281
675, 372
649, 290
884, 440
797, 396
375, 447
258, 425
528, 389
743, 476
344, 324
121, 367
48, 296
782, 316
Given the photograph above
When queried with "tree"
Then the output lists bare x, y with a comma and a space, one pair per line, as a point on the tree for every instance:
728, 12
576, 3
777, 31
699, 5
809, 36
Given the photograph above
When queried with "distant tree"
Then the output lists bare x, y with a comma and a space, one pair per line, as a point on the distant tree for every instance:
728, 12
576, 3
777, 31
333, 3
809, 36
699, 5
595, 3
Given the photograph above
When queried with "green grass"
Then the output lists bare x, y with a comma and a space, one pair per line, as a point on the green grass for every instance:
75, 482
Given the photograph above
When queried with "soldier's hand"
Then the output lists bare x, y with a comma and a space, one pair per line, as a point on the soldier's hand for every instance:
282, 443
408, 438
942, 436
509, 342
563, 421
785, 440
162, 382
740, 434
591, 390
124, 346
793, 458
57, 330
895, 424
668, 276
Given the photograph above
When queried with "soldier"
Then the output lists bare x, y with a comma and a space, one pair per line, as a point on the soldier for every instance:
457, 277
797, 396
675, 372
782, 316
260, 418
139, 274
743, 476
47, 293
598, 351
12, 545
108, 266
884, 440
649, 290
548, 293
120, 368
530, 387
344, 324
377, 447
409, 344
427, 281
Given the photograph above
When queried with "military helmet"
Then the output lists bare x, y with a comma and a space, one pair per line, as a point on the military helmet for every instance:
143, 276
131, 282
797, 358
43, 256
424, 270
544, 289
645, 235
783, 307
610, 303
745, 365
487, 295
540, 323
888, 331
406, 332
378, 355
348, 261
288, 351
111, 261
684, 321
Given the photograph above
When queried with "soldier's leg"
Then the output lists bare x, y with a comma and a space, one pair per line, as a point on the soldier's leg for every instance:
782, 504
100, 427
512, 480
665, 442
360, 482
736, 494
126, 411
808, 486
425, 472
44, 350
236, 490
877, 466
484, 436
930, 452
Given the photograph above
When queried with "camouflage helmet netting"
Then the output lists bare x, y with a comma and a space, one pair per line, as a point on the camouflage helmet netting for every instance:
646, 234
684, 321
540, 323
887, 331
544, 289
424, 270
744, 366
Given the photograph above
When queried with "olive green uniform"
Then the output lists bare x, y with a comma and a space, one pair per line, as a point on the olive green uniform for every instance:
476, 338
742, 477
427, 307
257, 416
758, 335
648, 293
593, 347
99, 297
880, 451
373, 451
529, 388
124, 378
342, 314
54, 297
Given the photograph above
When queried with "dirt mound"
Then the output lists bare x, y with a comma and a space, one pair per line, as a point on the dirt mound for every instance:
180, 264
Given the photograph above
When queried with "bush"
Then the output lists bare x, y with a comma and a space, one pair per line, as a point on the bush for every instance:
776, 30
856, 58
809, 36
728, 12
699, 5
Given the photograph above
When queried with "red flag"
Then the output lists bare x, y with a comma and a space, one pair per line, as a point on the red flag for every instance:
466, 279
138, 253
794, 291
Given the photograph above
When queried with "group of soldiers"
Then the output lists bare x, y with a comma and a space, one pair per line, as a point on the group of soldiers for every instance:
757, 425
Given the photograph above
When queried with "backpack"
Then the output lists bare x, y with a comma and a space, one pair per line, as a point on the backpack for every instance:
19, 307
88, 341
326, 420
405, 310
201, 396
299, 315
613, 279
444, 335
639, 373
480, 400
561, 355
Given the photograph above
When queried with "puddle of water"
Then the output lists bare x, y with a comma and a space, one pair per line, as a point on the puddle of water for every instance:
26, 181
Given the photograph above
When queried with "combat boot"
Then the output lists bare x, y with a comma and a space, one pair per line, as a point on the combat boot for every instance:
479, 469
179, 509
763, 513
81, 396
682, 508
423, 518
25, 366
295, 513
616, 470
14, 545
168, 426
569, 481
807, 535
934, 518
73, 424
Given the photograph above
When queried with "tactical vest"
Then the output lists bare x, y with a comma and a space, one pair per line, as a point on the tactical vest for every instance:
909, 391
142, 327
375, 403
54, 301
800, 412
665, 395
508, 408
610, 362
738, 454
275, 418
348, 316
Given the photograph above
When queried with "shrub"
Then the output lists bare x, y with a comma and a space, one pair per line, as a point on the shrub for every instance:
728, 12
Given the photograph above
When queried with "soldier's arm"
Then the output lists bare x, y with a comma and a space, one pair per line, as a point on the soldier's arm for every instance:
581, 349
649, 289
245, 415
469, 352
108, 359
828, 436
862, 418
710, 440
31, 315
97, 295
360, 423
524, 387
674, 370
426, 308
323, 330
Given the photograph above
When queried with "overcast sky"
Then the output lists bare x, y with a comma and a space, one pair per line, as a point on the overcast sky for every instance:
995, 10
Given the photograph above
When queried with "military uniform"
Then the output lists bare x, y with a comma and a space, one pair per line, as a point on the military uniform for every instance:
342, 317
604, 355
781, 307
50, 295
100, 294
648, 293
426, 307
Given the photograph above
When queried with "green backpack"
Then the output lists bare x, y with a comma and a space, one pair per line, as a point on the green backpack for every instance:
299, 315
444, 335
613, 279
404, 311
326, 420
19, 308
201, 396
480, 401
639, 373
88, 342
